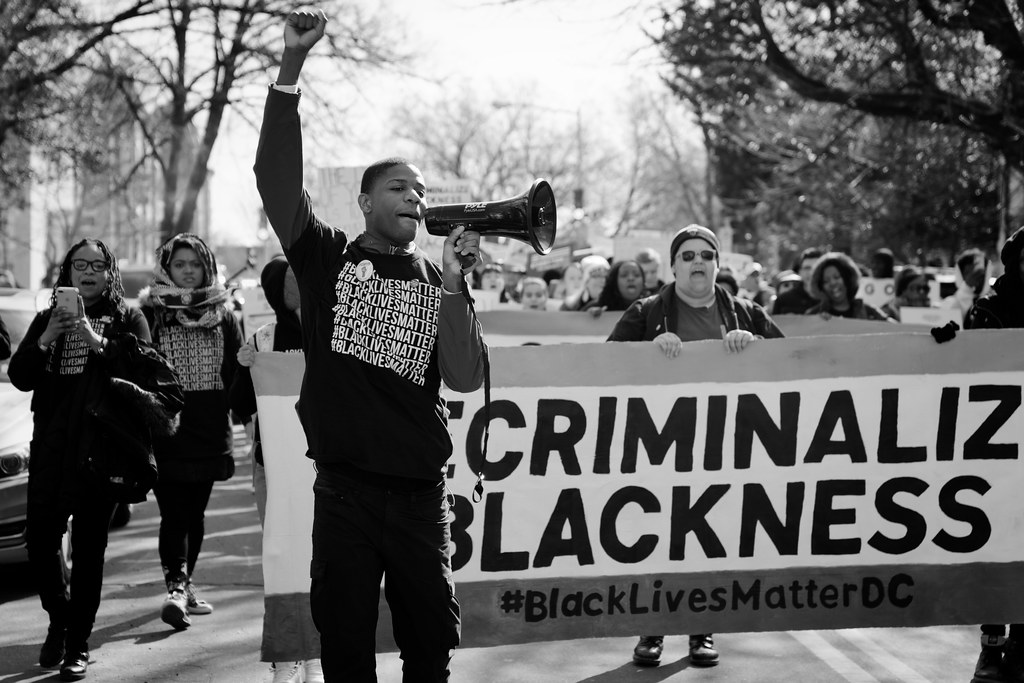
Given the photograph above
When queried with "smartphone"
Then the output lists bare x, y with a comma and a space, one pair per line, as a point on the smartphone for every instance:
67, 298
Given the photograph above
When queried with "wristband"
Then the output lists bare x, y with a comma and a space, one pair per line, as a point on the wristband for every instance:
42, 347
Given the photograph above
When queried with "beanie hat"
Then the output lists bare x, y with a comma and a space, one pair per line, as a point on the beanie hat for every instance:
690, 232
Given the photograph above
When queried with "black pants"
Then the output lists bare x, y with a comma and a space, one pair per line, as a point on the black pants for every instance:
182, 526
72, 607
361, 534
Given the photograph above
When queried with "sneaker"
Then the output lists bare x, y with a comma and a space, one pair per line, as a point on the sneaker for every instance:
174, 610
990, 660
74, 666
195, 604
648, 651
1012, 667
51, 654
702, 650
314, 672
287, 672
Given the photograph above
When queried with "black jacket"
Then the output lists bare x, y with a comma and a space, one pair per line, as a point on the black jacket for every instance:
66, 438
1004, 305
647, 318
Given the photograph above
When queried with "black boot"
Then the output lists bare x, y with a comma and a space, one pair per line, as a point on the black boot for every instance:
990, 660
702, 650
648, 651
1012, 668
52, 652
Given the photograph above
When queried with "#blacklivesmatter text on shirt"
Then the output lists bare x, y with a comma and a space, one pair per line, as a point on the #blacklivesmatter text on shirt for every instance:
386, 322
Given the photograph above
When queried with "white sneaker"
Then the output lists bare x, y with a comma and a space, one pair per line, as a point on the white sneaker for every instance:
288, 672
314, 672
195, 604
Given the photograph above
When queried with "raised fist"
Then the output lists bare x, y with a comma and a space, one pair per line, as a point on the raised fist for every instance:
303, 29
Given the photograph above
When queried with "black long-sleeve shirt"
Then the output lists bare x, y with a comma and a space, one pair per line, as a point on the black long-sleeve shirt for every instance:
380, 334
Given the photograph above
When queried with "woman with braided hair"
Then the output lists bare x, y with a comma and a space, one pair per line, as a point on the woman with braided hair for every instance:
63, 359
191, 324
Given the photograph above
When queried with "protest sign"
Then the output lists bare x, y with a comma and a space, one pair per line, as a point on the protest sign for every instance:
805, 483
876, 290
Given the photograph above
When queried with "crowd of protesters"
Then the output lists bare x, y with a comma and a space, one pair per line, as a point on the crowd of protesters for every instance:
820, 282
381, 504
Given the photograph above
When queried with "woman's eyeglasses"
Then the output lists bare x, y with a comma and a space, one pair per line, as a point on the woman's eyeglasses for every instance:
705, 255
97, 266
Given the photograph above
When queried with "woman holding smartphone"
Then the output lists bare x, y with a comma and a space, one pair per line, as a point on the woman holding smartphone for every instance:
61, 356
186, 307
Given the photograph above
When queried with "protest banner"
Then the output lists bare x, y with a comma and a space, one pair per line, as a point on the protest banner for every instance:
816, 326
931, 316
805, 483
288, 630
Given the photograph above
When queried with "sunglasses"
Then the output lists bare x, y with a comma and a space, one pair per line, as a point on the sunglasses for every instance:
97, 265
705, 255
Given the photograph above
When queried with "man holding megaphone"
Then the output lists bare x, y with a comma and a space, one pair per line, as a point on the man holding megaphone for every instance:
383, 326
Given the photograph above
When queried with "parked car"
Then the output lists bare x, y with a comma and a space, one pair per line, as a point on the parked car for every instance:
17, 308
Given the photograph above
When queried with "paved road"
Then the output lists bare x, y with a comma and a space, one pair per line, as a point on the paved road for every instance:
130, 644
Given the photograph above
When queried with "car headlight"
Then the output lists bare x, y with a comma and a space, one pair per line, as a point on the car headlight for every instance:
14, 461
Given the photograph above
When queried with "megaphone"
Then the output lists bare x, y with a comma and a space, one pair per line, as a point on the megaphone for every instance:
529, 217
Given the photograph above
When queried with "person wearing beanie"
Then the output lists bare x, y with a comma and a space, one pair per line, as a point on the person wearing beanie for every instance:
692, 308
1002, 658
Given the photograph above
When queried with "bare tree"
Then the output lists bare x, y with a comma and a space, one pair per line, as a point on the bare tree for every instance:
42, 45
667, 184
181, 68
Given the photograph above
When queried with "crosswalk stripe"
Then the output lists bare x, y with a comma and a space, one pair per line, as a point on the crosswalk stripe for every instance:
836, 660
870, 647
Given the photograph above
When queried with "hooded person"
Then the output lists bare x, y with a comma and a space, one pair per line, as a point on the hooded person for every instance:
186, 307
1002, 655
284, 335
1003, 306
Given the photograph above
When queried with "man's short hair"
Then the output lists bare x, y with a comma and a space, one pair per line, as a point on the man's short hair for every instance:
648, 255
375, 170
809, 252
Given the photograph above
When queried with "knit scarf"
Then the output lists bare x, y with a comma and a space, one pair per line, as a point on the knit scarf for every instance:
199, 307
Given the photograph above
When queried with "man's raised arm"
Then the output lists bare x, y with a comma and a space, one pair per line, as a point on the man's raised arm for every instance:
278, 165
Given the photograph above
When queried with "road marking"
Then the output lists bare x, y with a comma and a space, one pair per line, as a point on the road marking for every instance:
870, 647
836, 660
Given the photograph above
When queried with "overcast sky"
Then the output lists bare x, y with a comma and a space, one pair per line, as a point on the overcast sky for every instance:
566, 54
